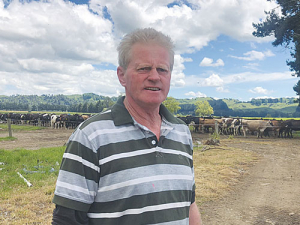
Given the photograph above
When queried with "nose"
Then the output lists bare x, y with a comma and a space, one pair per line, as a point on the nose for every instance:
154, 75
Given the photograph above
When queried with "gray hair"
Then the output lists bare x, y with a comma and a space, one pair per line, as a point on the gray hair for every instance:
145, 35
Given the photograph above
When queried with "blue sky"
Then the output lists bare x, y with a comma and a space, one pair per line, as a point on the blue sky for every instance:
62, 47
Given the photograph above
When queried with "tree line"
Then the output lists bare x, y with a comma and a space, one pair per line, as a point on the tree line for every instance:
92, 103
220, 108
86, 103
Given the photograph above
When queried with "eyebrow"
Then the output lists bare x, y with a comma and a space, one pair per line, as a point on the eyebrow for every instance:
165, 67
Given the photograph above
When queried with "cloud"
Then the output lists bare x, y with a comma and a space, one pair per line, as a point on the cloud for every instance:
222, 90
178, 77
248, 78
209, 62
213, 81
264, 97
232, 18
195, 94
253, 45
99, 82
252, 66
58, 47
254, 55
259, 90
256, 77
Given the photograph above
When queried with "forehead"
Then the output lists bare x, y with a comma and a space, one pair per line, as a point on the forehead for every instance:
149, 53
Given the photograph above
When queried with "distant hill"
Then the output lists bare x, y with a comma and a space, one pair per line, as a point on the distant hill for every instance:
269, 107
88, 102
92, 103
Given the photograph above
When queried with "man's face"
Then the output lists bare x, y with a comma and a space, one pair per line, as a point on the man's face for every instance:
147, 77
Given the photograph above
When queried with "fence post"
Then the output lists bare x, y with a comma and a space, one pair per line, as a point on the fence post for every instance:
216, 127
9, 127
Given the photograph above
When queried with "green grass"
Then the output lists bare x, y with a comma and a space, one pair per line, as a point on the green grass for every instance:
7, 139
296, 134
20, 127
35, 165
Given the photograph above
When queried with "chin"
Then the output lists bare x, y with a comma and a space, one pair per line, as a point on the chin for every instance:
154, 102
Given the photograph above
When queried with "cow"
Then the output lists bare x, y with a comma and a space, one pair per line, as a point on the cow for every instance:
25, 118
45, 119
205, 123
258, 126
3, 118
280, 127
235, 126
220, 123
72, 121
290, 126
15, 118
85, 116
55, 121
191, 121
226, 125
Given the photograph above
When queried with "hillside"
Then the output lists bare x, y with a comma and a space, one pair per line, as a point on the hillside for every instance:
93, 103
269, 107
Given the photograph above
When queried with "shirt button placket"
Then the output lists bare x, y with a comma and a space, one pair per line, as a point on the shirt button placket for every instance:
153, 142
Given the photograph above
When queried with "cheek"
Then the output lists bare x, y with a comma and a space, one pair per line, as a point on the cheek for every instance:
167, 81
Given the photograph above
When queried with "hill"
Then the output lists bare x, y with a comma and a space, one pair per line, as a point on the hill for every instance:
93, 103
269, 107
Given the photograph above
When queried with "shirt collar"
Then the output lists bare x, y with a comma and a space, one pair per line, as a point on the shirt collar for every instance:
121, 115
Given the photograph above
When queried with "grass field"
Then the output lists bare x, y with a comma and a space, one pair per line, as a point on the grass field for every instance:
21, 204
14, 127
40, 167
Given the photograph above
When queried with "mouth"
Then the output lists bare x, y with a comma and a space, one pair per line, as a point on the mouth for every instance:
153, 89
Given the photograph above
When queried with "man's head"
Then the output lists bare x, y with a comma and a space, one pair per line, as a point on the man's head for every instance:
146, 59
146, 35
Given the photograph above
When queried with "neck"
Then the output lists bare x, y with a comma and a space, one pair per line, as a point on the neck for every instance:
148, 118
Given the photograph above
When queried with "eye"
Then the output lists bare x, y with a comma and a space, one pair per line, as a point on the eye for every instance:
162, 70
144, 69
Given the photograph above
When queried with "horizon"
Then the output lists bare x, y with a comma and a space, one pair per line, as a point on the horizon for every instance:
15, 95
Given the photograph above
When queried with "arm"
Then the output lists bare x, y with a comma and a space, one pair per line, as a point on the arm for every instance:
194, 217
66, 216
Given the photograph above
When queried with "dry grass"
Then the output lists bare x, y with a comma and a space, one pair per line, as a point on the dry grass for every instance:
219, 169
31, 207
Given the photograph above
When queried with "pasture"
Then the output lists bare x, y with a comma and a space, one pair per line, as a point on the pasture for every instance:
219, 170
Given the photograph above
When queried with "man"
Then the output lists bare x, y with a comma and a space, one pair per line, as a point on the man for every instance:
133, 164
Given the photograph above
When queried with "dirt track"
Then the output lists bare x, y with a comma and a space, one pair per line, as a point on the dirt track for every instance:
34, 140
268, 195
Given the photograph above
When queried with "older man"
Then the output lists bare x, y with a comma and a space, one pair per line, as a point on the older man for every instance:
132, 164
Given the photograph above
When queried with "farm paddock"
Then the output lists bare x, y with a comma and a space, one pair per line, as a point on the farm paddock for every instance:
267, 193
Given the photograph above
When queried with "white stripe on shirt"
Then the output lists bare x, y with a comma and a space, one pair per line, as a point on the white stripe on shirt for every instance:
139, 211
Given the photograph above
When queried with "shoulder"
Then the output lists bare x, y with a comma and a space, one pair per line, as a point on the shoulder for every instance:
104, 116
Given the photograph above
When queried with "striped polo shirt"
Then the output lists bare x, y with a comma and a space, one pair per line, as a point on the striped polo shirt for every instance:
118, 172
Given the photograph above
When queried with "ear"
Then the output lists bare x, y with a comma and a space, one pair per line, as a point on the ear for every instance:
121, 75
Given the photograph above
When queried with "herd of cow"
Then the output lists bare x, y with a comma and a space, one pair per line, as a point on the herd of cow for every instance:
240, 126
227, 126
45, 120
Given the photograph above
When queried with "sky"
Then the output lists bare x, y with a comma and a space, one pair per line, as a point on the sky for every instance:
69, 47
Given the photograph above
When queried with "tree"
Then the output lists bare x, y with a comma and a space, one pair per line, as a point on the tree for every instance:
203, 108
172, 104
297, 90
218, 104
285, 28
99, 106
256, 102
